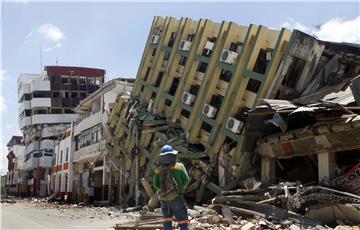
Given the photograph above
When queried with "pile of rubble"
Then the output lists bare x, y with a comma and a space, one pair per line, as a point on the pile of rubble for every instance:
282, 206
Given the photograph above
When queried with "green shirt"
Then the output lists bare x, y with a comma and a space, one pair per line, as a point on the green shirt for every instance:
180, 174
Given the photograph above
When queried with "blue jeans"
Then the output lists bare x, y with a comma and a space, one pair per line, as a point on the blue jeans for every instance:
175, 208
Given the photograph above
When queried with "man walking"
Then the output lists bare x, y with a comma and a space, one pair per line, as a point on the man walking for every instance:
170, 180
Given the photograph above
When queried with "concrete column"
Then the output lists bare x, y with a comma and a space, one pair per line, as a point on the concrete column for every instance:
267, 170
326, 165
103, 179
62, 188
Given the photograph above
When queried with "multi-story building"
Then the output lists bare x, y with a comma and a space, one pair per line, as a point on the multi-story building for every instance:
46, 108
62, 165
15, 158
206, 76
81, 160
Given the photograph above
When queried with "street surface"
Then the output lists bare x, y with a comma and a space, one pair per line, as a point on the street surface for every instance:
25, 214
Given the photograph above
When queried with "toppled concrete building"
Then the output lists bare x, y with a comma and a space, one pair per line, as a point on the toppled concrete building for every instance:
196, 84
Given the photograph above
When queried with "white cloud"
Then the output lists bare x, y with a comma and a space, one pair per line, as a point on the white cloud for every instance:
51, 32
3, 105
3, 75
336, 29
340, 30
292, 24
47, 36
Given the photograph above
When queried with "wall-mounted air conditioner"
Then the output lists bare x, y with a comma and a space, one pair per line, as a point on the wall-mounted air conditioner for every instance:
234, 125
185, 45
155, 39
209, 111
228, 56
188, 98
209, 45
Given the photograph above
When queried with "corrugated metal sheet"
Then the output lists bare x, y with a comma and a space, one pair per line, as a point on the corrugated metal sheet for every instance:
342, 97
304, 109
278, 104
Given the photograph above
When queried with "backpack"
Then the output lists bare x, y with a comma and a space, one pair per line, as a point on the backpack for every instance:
169, 188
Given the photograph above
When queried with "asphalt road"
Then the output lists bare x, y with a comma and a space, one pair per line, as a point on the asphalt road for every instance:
26, 215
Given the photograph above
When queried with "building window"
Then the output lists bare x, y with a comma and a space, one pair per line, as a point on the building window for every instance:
182, 60
167, 55
202, 66
253, 85
61, 157
67, 155
225, 75
88, 137
159, 78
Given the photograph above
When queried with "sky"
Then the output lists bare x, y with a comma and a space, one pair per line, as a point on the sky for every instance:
112, 35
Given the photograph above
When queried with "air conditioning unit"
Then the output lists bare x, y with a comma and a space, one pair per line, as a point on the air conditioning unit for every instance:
188, 98
268, 55
228, 56
155, 39
209, 111
185, 45
234, 125
209, 45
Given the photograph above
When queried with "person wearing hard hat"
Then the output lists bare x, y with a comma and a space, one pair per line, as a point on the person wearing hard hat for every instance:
170, 180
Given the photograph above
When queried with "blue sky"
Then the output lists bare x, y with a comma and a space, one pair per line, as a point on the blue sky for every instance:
112, 35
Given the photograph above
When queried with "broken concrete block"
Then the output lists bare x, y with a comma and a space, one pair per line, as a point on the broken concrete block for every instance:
248, 226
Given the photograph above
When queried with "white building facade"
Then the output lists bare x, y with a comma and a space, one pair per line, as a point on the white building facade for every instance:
45, 111
91, 173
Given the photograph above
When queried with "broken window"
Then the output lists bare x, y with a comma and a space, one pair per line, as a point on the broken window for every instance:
174, 86
153, 53
191, 37
241, 114
253, 85
167, 102
172, 39
234, 46
167, 55
205, 126
225, 75
153, 95
185, 113
202, 66
294, 72
230, 143
262, 61
194, 89
147, 73
216, 101
159, 79
182, 60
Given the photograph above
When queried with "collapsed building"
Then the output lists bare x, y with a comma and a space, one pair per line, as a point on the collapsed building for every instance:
198, 87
